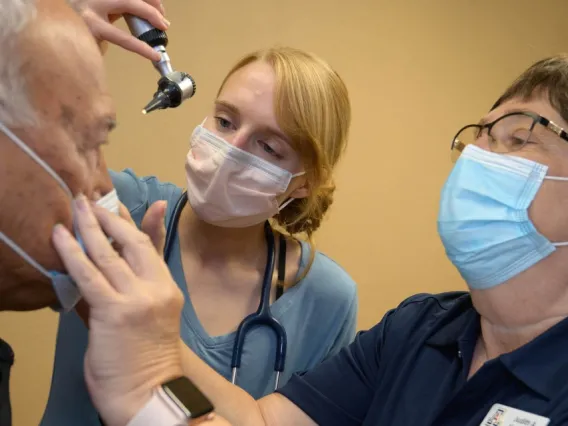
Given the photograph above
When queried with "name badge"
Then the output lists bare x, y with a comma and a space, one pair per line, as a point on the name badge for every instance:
501, 415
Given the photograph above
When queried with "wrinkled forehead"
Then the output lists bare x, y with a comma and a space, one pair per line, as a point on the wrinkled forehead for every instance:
63, 65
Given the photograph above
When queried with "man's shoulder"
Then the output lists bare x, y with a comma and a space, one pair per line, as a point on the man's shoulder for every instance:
138, 193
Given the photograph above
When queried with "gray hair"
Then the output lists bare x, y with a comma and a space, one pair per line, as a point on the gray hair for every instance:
16, 109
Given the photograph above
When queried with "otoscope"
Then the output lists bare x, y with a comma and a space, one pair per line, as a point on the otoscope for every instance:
174, 87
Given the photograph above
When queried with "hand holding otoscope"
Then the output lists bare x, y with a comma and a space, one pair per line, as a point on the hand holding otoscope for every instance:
174, 87
147, 24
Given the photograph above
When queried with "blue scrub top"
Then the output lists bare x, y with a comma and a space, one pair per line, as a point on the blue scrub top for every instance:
319, 315
412, 368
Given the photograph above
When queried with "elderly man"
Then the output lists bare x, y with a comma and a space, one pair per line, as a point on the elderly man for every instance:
55, 113
494, 355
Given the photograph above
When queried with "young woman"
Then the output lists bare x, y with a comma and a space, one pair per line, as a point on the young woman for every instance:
259, 167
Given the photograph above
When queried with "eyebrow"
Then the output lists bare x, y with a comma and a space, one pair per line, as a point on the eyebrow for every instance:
484, 120
227, 105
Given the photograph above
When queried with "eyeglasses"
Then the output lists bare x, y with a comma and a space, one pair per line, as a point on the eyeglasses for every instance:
508, 133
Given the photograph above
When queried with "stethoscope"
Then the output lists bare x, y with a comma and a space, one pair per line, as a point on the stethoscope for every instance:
263, 315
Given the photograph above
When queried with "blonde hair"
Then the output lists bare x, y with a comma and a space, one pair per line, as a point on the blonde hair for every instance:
312, 108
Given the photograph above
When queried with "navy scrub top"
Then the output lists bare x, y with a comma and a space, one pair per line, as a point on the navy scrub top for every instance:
412, 368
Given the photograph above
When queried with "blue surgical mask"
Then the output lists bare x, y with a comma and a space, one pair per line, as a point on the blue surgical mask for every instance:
65, 288
484, 222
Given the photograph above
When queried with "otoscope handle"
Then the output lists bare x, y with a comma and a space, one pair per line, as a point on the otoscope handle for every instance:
144, 31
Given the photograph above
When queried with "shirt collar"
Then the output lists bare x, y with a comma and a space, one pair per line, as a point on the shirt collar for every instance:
537, 364
542, 364
457, 324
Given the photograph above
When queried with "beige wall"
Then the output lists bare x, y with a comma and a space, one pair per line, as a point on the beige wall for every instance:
416, 70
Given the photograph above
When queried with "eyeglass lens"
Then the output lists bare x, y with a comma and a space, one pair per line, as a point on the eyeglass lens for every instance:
508, 134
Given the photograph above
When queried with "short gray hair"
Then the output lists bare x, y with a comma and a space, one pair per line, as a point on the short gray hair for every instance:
16, 109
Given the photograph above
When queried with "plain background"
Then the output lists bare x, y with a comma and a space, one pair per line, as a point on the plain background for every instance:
416, 70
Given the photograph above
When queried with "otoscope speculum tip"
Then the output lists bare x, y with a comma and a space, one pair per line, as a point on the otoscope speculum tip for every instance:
172, 91
160, 101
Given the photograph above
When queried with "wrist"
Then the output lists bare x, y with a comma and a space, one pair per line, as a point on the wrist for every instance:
173, 403
142, 396
119, 410
132, 408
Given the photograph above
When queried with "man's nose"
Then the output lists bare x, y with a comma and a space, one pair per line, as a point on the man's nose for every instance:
103, 183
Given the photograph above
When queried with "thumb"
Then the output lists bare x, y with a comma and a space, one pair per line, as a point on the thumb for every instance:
153, 225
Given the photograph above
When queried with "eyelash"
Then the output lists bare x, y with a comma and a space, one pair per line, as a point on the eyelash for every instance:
268, 149
225, 124
221, 120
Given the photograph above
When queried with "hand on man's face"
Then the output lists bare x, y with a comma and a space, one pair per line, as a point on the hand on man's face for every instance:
135, 307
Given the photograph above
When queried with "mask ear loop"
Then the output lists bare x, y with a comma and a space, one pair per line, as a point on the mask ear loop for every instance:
561, 179
35, 157
285, 203
23, 254
18, 142
288, 201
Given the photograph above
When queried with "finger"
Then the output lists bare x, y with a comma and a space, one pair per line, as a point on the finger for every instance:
136, 247
158, 5
153, 225
92, 285
83, 310
99, 249
125, 214
112, 34
144, 10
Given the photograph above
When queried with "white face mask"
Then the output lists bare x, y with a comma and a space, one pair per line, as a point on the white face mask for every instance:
229, 187
63, 285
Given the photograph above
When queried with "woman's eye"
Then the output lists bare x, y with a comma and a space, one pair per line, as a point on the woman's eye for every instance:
267, 148
223, 122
